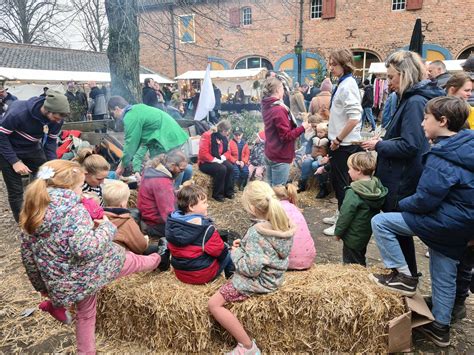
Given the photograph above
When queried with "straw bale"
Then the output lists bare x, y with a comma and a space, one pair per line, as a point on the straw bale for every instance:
327, 308
132, 200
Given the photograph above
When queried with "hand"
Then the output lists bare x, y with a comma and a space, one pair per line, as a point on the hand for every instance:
334, 145
21, 168
236, 244
119, 170
306, 125
138, 177
89, 117
370, 144
320, 170
337, 238
241, 163
324, 160
188, 183
215, 160
44, 293
223, 158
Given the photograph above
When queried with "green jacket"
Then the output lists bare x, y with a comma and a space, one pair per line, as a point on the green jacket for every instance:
363, 200
150, 127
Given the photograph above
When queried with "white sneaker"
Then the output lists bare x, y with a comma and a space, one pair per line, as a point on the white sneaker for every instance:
330, 231
332, 219
427, 254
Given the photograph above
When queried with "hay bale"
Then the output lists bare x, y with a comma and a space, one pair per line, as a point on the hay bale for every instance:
327, 308
203, 180
132, 200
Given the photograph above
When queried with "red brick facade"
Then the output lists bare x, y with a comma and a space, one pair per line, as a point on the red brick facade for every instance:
361, 25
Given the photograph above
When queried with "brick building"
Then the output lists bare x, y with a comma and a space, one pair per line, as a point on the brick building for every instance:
254, 33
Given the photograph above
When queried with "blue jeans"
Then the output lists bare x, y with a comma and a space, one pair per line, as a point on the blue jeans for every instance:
184, 176
308, 167
227, 266
443, 270
277, 173
241, 174
369, 115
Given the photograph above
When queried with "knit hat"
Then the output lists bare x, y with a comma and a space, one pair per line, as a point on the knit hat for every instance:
261, 136
468, 65
56, 102
326, 85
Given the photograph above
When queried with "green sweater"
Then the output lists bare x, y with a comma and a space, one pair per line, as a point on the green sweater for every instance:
362, 201
150, 127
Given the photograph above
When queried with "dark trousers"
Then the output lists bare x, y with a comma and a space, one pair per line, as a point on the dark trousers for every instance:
14, 181
98, 118
464, 276
222, 177
339, 171
352, 256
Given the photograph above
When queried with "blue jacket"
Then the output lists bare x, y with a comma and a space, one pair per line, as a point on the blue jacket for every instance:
24, 130
441, 212
399, 164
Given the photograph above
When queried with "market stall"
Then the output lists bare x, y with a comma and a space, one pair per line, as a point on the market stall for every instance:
452, 66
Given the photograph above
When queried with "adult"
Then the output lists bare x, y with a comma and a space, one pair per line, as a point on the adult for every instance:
321, 102
311, 91
212, 160
344, 125
146, 128
460, 85
399, 154
160, 95
468, 67
28, 138
367, 103
97, 107
149, 96
281, 132
175, 109
45, 89
156, 196
74, 103
437, 72
297, 105
5, 99
239, 97
215, 115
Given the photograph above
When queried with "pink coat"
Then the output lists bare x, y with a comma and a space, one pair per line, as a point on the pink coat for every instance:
303, 251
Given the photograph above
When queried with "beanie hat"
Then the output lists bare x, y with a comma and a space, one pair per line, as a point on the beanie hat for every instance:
56, 102
326, 85
261, 136
468, 65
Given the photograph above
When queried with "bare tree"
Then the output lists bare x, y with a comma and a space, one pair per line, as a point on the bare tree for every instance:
31, 21
92, 23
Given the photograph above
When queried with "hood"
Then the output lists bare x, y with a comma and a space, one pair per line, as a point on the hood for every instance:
265, 229
159, 171
457, 149
425, 88
267, 102
118, 219
181, 233
62, 202
34, 104
372, 191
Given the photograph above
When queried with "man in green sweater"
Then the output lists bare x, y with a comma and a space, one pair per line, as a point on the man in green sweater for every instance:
146, 128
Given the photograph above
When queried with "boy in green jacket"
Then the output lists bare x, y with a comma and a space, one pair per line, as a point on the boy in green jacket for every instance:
363, 200
146, 128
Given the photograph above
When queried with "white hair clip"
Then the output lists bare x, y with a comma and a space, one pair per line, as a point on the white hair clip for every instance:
45, 173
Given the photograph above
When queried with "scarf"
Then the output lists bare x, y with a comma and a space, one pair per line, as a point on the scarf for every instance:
344, 77
215, 138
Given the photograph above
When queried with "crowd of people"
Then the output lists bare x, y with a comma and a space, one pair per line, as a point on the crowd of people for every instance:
417, 179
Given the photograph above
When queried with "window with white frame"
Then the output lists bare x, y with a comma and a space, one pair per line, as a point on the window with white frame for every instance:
316, 8
398, 5
254, 62
246, 16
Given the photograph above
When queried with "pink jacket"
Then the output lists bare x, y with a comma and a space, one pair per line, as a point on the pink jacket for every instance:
302, 252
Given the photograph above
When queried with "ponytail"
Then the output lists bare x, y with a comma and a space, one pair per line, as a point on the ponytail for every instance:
276, 215
92, 163
288, 192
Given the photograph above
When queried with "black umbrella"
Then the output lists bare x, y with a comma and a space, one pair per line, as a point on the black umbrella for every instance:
416, 41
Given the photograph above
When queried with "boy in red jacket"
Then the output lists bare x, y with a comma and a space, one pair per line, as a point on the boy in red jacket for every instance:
239, 157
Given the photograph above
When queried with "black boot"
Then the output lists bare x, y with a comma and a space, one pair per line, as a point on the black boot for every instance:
164, 252
323, 191
302, 185
243, 184
238, 184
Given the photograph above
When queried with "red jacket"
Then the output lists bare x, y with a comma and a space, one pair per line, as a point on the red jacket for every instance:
156, 198
280, 132
204, 155
234, 152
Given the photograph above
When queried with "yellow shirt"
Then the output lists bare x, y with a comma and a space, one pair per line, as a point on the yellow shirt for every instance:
470, 119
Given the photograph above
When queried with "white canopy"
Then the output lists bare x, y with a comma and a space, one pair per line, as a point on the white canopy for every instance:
48, 76
224, 74
451, 66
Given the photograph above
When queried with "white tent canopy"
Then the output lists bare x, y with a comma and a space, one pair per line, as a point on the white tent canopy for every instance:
451, 66
223, 74
49, 76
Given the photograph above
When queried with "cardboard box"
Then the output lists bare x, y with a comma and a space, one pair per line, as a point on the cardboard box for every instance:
400, 328
191, 147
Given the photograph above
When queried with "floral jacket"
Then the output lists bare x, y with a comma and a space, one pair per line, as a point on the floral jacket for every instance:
262, 259
66, 257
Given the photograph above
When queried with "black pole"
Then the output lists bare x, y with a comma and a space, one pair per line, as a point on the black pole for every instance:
173, 34
300, 41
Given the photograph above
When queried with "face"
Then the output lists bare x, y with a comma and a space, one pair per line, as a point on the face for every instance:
321, 133
200, 207
335, 68
354, 174
96, 179
465, 91
431, 126
177, 169
226, 133
56, 117
433, 71
116, 112
3, 93
393, 78
238, 137
314, 126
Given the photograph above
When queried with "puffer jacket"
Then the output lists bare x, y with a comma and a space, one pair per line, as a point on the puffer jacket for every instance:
66, 257
261, 259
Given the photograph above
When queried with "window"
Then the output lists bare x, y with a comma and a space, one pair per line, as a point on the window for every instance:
398, 5
466, 53
254, 62
316, 8
362, 61
246, 16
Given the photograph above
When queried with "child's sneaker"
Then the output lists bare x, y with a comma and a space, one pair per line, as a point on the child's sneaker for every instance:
242, 350
332, 219
437, 333
330, 231
60, 313
398, 282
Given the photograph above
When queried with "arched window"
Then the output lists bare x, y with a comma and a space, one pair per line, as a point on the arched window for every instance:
362, 60
254, 62
466, 53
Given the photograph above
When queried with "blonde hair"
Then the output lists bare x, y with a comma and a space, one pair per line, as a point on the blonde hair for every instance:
316, 118
67, 175
323, 126
92, 163
115, 193
259, 199
365, 162
270, 86
288, 192
409, 65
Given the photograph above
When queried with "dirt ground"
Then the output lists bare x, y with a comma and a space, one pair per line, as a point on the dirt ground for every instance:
39, 333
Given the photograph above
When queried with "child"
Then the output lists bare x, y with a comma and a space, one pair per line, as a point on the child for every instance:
363, 200
303, 251
64, 256
239, 156
96, 169
260, 260
257, 158
440, 213
198, 252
